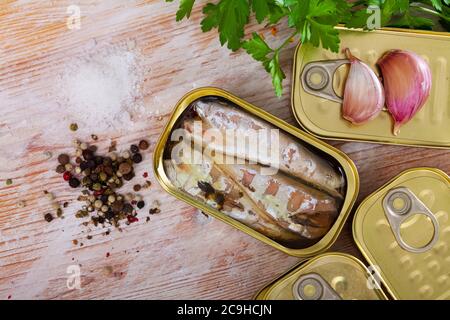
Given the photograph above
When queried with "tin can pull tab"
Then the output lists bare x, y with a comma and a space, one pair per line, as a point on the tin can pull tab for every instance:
317, 78
400, 204
312, 286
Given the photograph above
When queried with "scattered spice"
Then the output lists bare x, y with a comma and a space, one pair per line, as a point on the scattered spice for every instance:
65, 204
21, 204
75, 242
143, 145
67, 176
73, 127
113, 146
108, 254
134, 148
137, 158
137, 187
140, 204
63, 159
154, 211
100, 176
48, 217
274, 31
94, 137
147, 219
9, 182
145, 175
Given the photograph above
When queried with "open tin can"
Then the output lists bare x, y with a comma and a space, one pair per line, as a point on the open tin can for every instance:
403, 231
298, 208
319, 78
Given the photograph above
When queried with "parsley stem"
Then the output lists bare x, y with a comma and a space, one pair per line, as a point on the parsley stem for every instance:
430, 11
286, 42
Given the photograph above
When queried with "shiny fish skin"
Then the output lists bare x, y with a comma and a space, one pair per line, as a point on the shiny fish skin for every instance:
294, 158
236, 204
297, 207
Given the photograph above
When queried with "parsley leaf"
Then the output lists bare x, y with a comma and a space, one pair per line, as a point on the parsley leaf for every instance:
184, 9
260, 51
261, 9
315, 20
273, 66
230, 17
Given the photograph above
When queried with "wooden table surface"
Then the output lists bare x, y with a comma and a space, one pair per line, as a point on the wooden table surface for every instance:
180, 253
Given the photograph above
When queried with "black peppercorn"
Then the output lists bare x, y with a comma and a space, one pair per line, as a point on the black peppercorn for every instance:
127, 208
94, 176
48, 217
88, 154
134, 148
74, 182
128, 176
83, 165
104, 198
91, 164
98, 160
137, 158
140, 204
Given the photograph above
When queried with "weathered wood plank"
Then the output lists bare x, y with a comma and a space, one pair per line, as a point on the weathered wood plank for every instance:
180, 253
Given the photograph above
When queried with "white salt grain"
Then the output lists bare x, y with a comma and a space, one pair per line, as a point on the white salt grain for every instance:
103, 89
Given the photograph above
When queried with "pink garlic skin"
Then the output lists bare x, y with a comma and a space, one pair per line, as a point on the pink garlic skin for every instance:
363, 93
407, 84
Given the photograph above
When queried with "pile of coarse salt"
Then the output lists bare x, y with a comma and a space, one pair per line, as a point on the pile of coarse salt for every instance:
103, 89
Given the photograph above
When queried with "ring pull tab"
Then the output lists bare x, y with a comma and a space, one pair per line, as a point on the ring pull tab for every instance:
312, 286
324, 72
410, 206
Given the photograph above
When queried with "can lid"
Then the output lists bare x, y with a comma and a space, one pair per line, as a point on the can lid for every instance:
403, 230
312, 286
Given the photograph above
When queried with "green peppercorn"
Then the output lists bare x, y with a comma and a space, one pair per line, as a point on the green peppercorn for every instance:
97, 186
63, 159
143, 145
102, 176
59, 212
73, 127
8, 182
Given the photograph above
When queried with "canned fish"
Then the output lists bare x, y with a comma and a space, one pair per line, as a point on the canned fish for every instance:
255, 172
404, 229
329, 276
320, 76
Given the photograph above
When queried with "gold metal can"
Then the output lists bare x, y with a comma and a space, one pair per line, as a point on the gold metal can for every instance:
322, 117
329, 276
403, 229
347, 168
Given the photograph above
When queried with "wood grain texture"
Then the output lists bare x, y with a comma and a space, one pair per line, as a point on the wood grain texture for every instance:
180, 253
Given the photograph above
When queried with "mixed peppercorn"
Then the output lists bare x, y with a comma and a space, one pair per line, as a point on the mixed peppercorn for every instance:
100, 177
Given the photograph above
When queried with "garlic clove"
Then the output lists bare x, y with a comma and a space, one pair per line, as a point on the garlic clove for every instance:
407, 83
363, 93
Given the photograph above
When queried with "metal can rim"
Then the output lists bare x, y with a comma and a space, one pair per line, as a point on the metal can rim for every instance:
346, 163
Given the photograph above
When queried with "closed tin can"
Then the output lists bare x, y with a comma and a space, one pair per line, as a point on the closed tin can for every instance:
299, 208
329, 276
322, 117
403, 229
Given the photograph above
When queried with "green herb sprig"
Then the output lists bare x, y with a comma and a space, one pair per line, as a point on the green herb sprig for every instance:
312, 20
